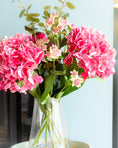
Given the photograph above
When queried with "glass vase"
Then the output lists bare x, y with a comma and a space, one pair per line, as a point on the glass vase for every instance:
48, 128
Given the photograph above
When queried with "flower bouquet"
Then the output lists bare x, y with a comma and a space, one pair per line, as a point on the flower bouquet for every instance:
52, 62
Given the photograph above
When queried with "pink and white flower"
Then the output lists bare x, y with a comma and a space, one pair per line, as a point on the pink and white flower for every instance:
62, 23
55, 31
93, 52
54, 52
74, 73
53, 15
18, 59
49, 22
76, 80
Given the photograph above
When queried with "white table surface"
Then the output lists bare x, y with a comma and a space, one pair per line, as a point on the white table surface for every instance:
74, 144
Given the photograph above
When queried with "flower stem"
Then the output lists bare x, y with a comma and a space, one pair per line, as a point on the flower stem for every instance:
54, 65
40, 132
50, 132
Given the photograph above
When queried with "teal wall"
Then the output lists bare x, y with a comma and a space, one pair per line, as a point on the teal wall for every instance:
88, 111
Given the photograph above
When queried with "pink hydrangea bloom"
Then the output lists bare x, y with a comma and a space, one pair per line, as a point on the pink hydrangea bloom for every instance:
18, 59
93, 52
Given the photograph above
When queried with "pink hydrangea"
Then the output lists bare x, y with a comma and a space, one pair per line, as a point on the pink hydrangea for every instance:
18, 59
93, 52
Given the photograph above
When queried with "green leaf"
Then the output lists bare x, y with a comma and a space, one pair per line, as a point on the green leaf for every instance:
22, 13
48, 84
29, 8
80, 70
61, 1
59, 11
46, 13
31, 30
20, 83
60, 94
36, 92
55, 7
69, 90
32, 19
41, 24
59, 73
32, 14
65, 15
47, 8
70, 5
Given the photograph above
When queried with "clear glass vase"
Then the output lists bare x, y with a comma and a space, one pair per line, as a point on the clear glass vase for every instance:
48, 128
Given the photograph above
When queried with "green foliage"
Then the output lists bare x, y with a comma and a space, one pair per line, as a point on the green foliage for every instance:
71, 67
47, 8
29, 7
30, 30
41, 24
56, 75
69, 90
65, 15
70, 5
22, 13
61, 1
46, 13
55, 7
20, 83
32, 19
36, 92
32, 14
48, 84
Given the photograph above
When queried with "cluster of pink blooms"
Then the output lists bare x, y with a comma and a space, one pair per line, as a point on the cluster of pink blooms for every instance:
51, 20
76, 80
41, 39
93, 52
18, 59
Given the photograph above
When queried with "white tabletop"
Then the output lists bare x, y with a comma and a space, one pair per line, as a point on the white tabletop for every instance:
75, 144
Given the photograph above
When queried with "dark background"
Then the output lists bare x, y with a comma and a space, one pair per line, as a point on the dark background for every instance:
15, 118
